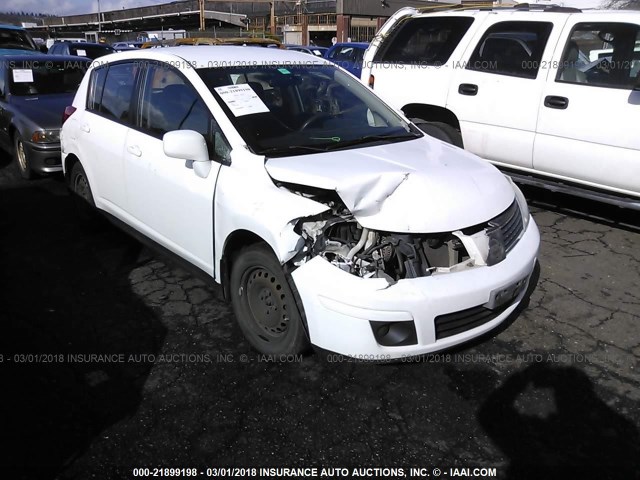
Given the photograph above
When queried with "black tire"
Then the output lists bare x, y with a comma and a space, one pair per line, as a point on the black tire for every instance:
21, 158
264, 304
82, 195
441, 131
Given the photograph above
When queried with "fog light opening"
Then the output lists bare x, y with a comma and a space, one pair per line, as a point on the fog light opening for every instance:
394, 334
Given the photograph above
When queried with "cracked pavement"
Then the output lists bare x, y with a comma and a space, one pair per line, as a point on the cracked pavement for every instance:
555, 391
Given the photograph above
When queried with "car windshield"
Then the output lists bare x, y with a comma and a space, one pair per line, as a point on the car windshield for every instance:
90, 51
288, 109
40, 78
18, 39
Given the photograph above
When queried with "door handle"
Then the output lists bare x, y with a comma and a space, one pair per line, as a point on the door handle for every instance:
85, 128
468, 89
560, 103
134, 150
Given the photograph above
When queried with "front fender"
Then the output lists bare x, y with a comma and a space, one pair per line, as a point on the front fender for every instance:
253, 203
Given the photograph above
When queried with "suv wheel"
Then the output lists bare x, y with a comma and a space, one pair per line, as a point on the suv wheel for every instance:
441, 131
21, 158
263, 303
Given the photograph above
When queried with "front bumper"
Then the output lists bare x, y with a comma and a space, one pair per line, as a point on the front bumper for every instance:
43, 158
340, 307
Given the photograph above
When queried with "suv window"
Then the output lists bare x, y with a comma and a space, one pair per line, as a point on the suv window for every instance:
117, 92
170, 103
511, 48
426, 41
602, 55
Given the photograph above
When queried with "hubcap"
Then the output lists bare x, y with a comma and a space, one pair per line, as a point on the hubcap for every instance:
81, 187
267, 302
22, 158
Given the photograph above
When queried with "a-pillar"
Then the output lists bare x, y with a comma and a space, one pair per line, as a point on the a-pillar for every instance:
343, 27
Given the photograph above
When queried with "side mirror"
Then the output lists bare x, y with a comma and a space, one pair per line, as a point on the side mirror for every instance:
43, 49
188, 145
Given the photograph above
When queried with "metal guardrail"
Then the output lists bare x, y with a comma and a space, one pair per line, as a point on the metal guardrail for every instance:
313, 19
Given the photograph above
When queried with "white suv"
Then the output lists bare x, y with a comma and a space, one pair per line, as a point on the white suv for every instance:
326, 216
551, 95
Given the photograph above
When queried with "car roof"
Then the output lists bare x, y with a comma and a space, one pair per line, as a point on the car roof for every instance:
351, 44
7, 26
84, 44
203, 56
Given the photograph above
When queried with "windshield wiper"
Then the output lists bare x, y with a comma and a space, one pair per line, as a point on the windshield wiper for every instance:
290, 147
373, 138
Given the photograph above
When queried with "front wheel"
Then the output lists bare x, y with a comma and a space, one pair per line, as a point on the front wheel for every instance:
264, 304
441, 131
21, 158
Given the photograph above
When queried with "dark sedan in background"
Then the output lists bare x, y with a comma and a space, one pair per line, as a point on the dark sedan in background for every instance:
81, 49
34, 91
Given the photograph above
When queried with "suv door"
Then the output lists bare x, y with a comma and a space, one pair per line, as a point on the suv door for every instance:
169, 202
496, 91
590, 115
414, 65
103, 129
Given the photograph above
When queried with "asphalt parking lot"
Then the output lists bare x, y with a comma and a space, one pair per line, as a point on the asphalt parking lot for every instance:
112, 359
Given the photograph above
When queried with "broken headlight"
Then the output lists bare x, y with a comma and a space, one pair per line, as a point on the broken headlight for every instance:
522, 203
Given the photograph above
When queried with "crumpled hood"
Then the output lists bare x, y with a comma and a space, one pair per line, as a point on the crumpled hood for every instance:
418, 186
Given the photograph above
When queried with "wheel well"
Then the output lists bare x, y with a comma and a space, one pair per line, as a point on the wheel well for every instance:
234, 243
431, 113
69, 162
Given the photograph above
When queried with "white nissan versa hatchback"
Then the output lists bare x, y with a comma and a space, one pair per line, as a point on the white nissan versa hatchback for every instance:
327, 217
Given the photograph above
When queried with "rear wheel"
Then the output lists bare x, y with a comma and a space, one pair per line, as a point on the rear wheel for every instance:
83, 198
264, 304
21, 158
441, 131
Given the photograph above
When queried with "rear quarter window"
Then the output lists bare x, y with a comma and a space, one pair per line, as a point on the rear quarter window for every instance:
111, 91
425, 41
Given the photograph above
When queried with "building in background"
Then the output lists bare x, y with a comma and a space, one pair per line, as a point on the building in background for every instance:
300, 22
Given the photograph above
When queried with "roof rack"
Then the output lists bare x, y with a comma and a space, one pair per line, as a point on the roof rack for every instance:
546, 8
552, 8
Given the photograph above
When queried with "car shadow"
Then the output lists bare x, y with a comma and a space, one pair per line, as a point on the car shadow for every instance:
550, 423
66, 360
598, 212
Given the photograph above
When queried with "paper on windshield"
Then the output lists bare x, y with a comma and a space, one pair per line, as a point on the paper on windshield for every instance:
81, 53
23, 75
241, 99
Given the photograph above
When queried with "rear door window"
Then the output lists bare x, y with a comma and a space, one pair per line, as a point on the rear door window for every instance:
425, 41
113, 98
602, 55
511, 48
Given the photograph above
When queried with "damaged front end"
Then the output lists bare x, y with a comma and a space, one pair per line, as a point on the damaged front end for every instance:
337, 237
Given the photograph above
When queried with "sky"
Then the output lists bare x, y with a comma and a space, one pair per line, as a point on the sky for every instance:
68, 7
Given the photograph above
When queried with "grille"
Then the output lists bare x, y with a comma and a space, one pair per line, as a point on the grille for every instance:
510, 225
458, 322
